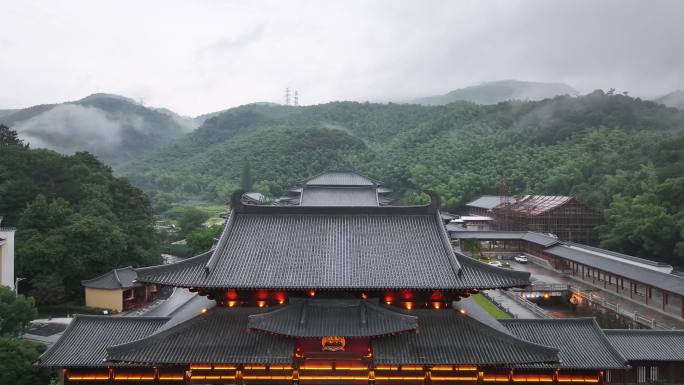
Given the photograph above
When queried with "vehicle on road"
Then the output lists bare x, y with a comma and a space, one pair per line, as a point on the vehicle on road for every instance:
496, 263
521, 259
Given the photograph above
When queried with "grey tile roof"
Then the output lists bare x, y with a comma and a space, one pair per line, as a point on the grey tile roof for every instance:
537, 238
298, 247
219, 336
122, 278
448, 337
340, 178
339, 196
85, 340
669, 282
486, 202
581, 341
333, 317
648, 345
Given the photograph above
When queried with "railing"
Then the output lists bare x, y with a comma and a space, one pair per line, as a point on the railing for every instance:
545, 287
529, 305
497, 304
639, 318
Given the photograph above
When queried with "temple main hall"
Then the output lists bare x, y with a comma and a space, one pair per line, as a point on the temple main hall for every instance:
337, 294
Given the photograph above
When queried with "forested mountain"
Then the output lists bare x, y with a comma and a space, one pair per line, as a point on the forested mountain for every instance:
74, 219
673, 99
500, 91
114, 128
612, 151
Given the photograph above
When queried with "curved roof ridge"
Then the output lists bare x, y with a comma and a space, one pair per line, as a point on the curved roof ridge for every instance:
115, 279
583, 346
451, 255
321, 317
642, 331
120, 348
197, 259
216, 252
79, 318
340, 171
481, 325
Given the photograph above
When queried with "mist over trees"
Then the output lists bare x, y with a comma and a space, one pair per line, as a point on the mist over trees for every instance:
114, 128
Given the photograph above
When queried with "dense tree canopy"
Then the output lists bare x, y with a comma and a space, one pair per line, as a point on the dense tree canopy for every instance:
15, 312
74, 219
17, 358
593, 147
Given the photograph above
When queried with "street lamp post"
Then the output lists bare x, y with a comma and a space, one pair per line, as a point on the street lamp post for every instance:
16, 285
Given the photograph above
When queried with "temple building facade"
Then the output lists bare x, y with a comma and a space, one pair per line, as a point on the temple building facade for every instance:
118, 290
6, 256
333, 294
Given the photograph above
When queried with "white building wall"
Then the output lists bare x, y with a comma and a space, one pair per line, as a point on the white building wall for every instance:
7, 257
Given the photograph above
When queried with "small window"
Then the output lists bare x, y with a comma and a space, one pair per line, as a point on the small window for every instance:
654, 374
641, 374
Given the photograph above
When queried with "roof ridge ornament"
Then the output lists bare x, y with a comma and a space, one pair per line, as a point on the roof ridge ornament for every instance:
236, 201
435, 201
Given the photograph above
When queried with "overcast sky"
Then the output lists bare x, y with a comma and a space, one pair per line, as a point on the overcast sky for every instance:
201, 56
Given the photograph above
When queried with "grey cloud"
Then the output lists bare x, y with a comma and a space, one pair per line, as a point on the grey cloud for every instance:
208, 55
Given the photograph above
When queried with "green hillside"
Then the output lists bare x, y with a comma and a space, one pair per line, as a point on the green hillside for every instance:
114, 128
673, 99
500, 91
612, 151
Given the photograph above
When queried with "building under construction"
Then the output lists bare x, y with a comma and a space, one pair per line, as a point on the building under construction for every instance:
563, 216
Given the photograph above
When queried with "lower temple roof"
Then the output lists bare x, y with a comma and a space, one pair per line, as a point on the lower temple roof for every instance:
648, 345
450, 337
220, 335
582, 343
333, 317
85, 341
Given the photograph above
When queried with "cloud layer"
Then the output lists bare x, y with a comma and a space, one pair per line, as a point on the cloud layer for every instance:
202, 56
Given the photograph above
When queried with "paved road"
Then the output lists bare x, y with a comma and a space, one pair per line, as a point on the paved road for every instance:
542, 274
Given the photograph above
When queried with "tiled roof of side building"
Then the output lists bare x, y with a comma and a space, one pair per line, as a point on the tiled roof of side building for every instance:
664, 281
123, 278
220, 335
340, 178
333, 317
339, 196
85, 340
648, 345
449, 337
581, 341
536, 238
487, 202
538, 204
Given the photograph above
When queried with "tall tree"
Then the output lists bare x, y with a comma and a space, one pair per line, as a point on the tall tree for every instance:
15, 312
246, 182
192, 219
9, 137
